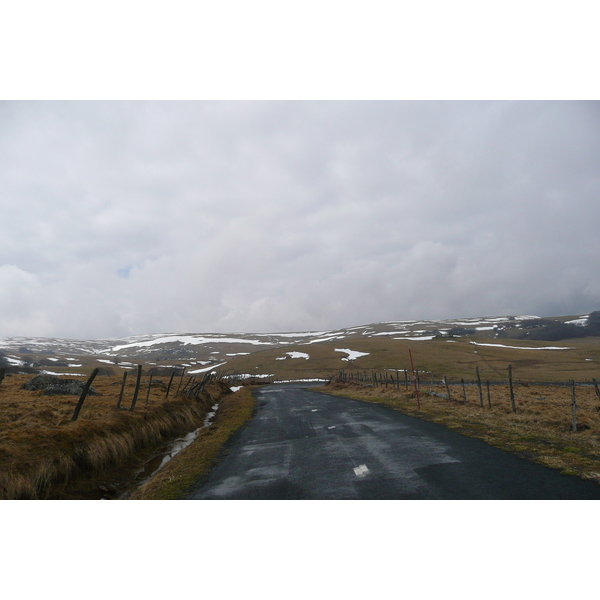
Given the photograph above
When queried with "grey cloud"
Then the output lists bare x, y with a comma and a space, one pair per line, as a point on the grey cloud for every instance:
136, 217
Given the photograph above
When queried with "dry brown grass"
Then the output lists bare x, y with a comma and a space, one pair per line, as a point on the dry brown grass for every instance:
540, 430
43, 453
452, 358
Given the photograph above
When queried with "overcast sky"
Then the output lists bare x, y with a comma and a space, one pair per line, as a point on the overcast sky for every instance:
120, 218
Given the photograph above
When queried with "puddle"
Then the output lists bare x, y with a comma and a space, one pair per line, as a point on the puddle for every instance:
165, 453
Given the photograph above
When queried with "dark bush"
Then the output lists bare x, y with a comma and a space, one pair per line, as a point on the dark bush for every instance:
533, 323
593, 323
594, 318
46, 362
555, 332
460, 331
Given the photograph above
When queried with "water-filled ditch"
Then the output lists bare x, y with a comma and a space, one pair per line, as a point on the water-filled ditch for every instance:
165, 453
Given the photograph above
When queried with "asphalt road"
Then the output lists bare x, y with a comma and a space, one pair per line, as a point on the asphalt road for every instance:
307, 445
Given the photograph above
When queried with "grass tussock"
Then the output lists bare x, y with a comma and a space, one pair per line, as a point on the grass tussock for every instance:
43, 453
188, 469
540, 430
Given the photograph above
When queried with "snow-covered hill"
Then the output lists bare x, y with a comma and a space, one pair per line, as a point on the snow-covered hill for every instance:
209, 345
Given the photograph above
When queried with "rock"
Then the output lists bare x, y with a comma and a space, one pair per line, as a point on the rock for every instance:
51, 384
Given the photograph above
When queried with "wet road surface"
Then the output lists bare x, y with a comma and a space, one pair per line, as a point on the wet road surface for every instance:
307, 445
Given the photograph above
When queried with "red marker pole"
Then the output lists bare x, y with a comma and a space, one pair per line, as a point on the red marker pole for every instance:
415, 379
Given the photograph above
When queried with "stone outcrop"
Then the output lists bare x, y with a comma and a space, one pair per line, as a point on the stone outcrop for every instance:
51, 384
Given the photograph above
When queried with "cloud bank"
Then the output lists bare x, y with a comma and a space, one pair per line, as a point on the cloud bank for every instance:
123, 218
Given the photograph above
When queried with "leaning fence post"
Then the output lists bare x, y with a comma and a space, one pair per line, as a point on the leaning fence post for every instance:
122, 389
573, 407
169, 386
137, 387
479, 386
512, 391
487, 385
180, 380
86, 388
188, 383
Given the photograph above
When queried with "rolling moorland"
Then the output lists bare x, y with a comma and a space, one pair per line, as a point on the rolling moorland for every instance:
552, 349
44, 454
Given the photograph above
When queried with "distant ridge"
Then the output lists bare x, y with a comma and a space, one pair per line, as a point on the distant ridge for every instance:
176, 345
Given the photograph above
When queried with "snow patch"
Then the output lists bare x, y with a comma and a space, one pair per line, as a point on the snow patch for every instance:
297, 380
14, 361
298, 355
581, 322
328, 339
522, 347
302, 334
352, 354
62, 374
189, 339
211, 368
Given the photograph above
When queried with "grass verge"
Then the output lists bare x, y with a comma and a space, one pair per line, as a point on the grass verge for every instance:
188, 469
45, 455
539, 431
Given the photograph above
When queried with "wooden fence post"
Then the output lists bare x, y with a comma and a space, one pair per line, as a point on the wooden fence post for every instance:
487, 385
148, 392
180, 380
447, 387
512, 391
122, 390
137, 387
596, 388
86, 388
406, 379
464, 391
169, 386
479, 386
573, 407
188, 383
